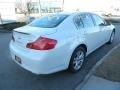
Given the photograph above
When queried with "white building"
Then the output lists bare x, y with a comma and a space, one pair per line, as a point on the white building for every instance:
7, 9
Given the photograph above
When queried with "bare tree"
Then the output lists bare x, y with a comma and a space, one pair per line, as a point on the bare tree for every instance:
23, 6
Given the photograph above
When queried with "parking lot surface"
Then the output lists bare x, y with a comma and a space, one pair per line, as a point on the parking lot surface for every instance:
13, 77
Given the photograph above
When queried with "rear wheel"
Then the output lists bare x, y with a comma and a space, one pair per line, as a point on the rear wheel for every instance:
111, 38
77, 59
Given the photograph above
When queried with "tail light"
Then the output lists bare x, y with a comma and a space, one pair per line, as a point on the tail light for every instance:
42, 43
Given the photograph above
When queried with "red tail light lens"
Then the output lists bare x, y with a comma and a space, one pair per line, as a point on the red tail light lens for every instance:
42, 43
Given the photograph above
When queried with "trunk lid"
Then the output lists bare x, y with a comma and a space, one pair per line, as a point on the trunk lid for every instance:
26, 34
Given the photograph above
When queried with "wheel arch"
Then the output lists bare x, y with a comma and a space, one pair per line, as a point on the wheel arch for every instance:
82, 45
114, 30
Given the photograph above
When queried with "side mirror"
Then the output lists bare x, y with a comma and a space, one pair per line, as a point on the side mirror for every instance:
102, 24
108, 23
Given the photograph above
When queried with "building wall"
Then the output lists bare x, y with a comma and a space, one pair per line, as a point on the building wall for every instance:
7, 9
46, 5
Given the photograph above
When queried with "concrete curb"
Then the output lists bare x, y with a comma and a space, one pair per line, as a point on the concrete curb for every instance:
79, 87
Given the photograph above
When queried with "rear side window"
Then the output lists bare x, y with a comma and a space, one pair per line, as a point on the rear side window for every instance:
98, 20
78, 22
50, 21
87, 20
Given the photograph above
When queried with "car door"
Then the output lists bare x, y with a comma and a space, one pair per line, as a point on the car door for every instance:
92, 32
104, 29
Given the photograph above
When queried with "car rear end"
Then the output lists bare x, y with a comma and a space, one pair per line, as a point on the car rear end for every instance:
33, 50
33, 58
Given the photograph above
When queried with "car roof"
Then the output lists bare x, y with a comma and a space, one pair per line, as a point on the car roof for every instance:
75, 12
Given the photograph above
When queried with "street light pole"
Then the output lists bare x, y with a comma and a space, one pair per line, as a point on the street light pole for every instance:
39, 2
63, 5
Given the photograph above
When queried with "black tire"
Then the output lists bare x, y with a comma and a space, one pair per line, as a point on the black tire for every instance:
74, 56
111, 38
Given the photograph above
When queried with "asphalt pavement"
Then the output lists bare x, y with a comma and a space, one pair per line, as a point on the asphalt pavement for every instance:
13, 77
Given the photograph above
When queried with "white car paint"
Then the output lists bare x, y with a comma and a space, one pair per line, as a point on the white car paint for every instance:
68, 38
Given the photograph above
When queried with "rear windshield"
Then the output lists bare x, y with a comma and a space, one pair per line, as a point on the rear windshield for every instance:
49, 21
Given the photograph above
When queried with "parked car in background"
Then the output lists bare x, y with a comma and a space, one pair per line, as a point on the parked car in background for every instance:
101, 13
29, 19
116, 13
59, 41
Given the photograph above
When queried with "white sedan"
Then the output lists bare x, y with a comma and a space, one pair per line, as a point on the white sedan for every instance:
59, 41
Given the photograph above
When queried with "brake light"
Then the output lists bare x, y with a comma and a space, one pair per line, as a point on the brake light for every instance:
42, 43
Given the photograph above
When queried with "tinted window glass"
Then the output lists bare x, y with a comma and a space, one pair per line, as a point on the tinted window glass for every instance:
48, 21
78, 22
87, 20
98, 20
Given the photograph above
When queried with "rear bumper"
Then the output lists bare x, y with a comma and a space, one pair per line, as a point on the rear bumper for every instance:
37, 62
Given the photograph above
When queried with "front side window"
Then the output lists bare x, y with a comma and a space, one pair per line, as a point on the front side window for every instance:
98, 20
49, 21
87, 20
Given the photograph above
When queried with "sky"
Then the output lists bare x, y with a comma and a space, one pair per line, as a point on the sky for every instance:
88, 4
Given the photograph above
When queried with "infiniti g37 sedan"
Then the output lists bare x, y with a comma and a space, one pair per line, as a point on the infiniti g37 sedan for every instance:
59, 41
